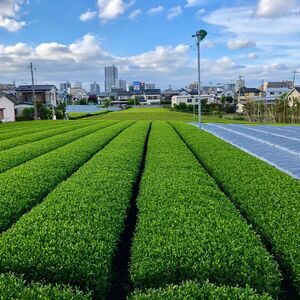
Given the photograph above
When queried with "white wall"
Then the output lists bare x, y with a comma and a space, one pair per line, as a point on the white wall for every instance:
9, 109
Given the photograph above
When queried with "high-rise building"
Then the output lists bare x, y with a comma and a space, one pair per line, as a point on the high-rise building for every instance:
150, 86
123, 84
78, 84
95, 88
65, 85
111, 78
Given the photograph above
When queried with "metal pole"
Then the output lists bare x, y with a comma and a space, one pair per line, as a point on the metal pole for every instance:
33, 92
199, 82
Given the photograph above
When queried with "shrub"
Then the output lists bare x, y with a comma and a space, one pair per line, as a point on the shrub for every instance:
12, 287
72, 236
188, 230
192, 290
27, 184
268, 197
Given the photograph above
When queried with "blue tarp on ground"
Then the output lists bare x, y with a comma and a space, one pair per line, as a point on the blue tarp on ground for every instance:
277, 145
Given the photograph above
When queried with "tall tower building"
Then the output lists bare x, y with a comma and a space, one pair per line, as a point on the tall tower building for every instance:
111, 78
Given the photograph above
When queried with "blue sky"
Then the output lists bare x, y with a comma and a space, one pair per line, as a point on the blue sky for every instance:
149, 40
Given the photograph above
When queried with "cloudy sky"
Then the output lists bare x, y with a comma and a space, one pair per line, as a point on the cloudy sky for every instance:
149, 40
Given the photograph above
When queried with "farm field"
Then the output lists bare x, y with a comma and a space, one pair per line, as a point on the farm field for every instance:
159, 114
142, 209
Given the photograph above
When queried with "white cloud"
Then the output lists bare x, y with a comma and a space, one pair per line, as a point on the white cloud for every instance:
88, 15
133, 15
192, 3
155, 10
273, 8
112, 9
252, 55
243, 22
240, 44
9, 15
174, 12
200, 12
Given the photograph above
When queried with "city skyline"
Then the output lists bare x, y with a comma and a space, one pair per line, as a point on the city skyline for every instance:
149, 41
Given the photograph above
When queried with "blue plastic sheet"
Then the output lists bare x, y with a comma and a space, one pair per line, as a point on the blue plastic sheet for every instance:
277, 145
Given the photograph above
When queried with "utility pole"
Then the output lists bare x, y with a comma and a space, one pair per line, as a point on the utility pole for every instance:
294, 77
201, 34
33, 92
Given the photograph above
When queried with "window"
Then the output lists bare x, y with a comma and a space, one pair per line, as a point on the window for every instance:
272, 93
189, 100
1, 113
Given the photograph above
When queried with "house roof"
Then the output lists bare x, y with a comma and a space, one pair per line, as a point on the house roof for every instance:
249, 90
10, 97
297, 88
152, 92
38, 88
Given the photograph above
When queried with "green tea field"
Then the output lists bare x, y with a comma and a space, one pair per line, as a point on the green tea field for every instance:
142, 207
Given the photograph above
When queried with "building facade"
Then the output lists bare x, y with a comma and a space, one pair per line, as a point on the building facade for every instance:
293, 96
111, 78
122, 85
95, 88
7, 108
46, 94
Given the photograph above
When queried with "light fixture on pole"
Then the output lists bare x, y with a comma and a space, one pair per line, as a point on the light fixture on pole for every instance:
201, 34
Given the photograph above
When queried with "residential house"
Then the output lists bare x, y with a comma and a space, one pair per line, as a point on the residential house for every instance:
152, 97
191, 98
273, 94
46, 94
248, 95
7, 108
293, 96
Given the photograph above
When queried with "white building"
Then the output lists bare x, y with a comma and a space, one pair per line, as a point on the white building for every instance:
273, 94
191, 99
7, 108
77, 93
152, 97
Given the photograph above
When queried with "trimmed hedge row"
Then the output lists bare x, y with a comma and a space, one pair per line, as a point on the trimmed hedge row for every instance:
81, 115
192, 290
12, 287
32, 129
268, 197
43, 134
13, 157
188, 230
72, 236
10, 126
24, 186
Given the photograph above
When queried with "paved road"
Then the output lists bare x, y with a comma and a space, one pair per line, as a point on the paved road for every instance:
277, 145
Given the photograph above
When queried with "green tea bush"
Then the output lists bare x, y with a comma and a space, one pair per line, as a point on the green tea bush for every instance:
15, 156
192, 290
269, 198
188, 230
26, 185
12, 287
72, 236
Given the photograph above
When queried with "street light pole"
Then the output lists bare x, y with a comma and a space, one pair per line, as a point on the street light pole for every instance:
199, 83
201, 34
